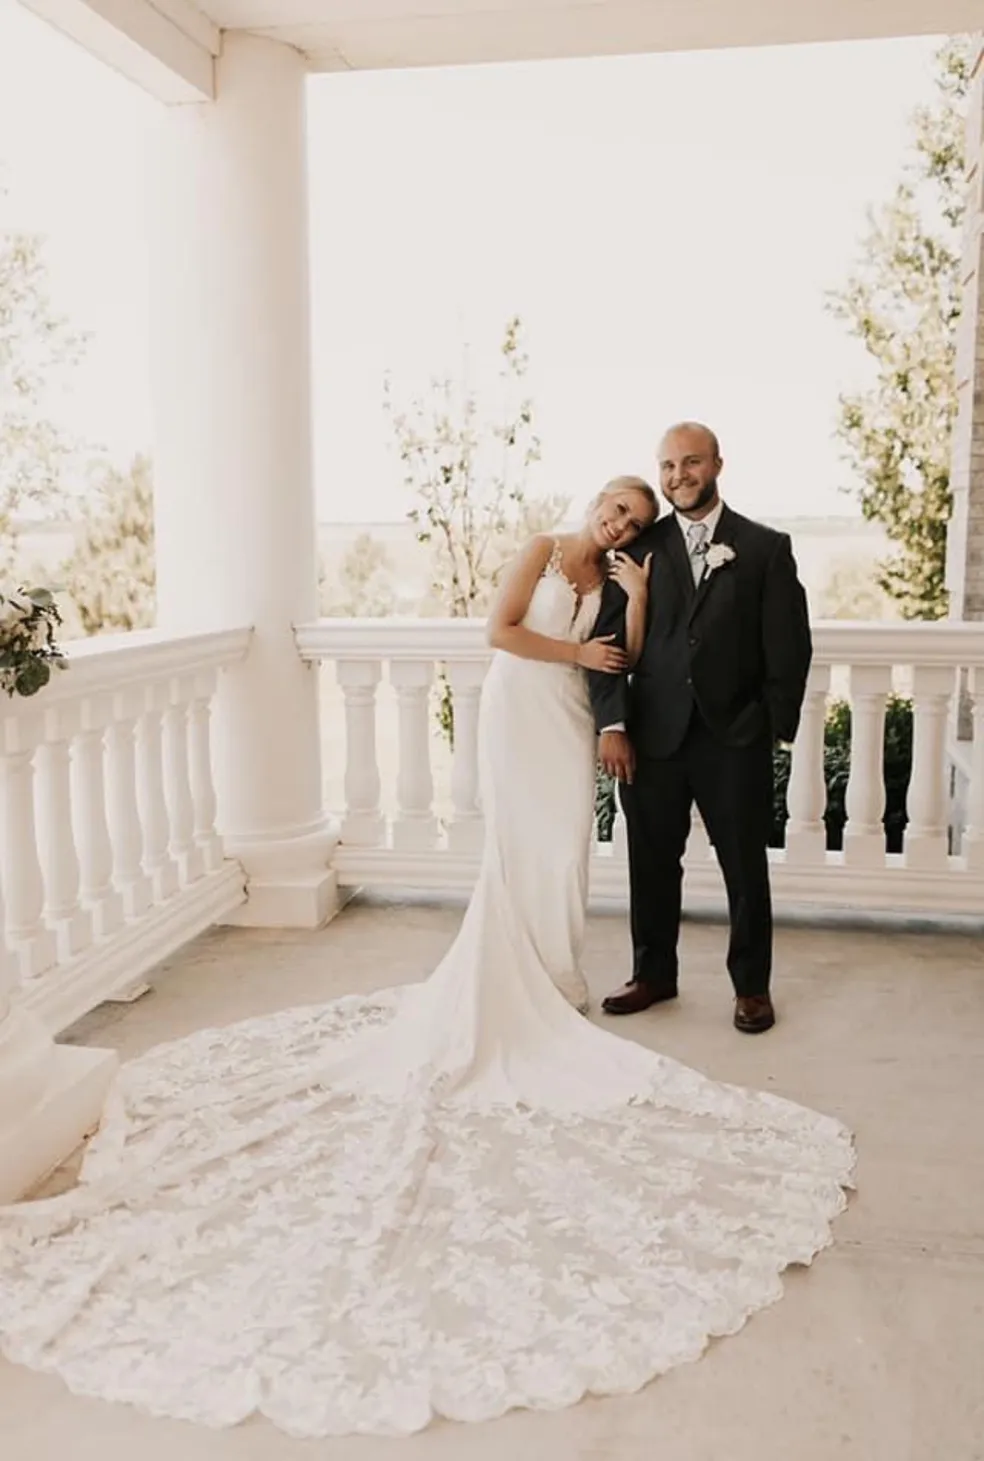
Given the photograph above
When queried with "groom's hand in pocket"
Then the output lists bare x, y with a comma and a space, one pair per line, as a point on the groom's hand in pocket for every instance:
616, 755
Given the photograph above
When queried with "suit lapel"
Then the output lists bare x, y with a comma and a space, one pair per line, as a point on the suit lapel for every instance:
727, 525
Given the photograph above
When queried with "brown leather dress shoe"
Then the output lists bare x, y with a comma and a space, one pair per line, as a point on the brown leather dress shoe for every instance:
637, 996
754, 1014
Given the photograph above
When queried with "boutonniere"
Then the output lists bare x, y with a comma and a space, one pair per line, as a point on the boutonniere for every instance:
717, 555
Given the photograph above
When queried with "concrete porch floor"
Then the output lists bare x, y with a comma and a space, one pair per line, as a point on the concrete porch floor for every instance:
874, 1354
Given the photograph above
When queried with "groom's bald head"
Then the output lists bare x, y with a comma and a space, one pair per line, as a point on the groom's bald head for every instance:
689, 465
694, 428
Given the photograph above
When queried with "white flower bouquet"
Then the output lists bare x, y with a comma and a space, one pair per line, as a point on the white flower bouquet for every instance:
29, 619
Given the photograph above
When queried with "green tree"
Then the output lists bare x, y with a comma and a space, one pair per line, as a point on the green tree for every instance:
852, 591
466, 463
37, 348
110, 577
363, 588
902, 302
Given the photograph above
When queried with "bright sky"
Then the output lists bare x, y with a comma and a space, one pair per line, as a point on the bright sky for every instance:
666, 226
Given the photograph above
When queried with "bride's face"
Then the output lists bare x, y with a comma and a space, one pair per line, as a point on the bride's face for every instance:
616, 517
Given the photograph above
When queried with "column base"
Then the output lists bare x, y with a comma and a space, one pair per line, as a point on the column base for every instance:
36, 1139
290, 882
301, 902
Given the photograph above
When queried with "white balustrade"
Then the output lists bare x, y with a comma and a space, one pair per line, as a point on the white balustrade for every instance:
122, 811
806, 794
363, 824
864, 835
412, 848
926, 840
466, 829
183, 848
63, 911
973, 839
90, 820
201, 780
109, 854
20, 866
158, 863
415, 826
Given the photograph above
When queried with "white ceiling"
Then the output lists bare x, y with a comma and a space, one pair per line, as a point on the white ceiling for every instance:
366, 34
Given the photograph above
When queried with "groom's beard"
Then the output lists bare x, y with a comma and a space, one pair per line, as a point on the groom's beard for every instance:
705, 498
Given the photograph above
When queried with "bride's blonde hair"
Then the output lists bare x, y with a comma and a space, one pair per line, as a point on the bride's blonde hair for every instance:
631, 484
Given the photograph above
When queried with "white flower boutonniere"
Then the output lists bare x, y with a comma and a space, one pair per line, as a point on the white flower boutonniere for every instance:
717, 555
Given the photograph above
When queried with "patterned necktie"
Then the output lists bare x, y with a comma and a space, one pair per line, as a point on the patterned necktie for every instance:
697, 548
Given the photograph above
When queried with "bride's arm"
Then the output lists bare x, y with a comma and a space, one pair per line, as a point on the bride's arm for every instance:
505, 624
633, 579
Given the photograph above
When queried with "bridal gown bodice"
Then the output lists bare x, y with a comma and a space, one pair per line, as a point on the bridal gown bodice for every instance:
452, 1198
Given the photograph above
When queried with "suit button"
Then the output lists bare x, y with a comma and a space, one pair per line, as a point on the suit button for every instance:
689, 680
694, 641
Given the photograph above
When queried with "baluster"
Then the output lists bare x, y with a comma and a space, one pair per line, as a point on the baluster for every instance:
467, 828
63, 911
177, 786
203, 800
9, 963
363, 824
88, 785
973, 840
157, 861
20, 868
122, 814
926, 834
806, 794
415, 826
864, 835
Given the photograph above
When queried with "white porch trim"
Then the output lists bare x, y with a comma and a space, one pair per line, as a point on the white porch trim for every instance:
168, 47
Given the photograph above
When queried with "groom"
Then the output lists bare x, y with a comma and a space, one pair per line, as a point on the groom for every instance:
720, 680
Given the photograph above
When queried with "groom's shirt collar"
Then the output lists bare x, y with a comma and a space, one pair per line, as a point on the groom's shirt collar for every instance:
710, 521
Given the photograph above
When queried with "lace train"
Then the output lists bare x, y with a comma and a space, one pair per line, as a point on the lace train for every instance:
245, 1239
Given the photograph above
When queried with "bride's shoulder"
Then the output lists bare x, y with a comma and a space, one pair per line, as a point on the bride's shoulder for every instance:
544, 548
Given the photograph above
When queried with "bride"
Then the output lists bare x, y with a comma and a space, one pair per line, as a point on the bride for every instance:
451, 1199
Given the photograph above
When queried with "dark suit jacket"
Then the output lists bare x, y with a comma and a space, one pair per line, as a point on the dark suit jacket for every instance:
737, 647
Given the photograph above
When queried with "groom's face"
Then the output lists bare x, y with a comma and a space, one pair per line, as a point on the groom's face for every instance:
688, 471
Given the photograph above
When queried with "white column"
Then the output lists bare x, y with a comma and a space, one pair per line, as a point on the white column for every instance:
415, 827
925, 843
364, 824
467, 828
235, 518
806, 795
864, 834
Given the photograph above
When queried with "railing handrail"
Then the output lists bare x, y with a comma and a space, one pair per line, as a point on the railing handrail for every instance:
112, 662
835, 642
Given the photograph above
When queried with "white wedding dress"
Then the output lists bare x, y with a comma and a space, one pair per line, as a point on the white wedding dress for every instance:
450, 1199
